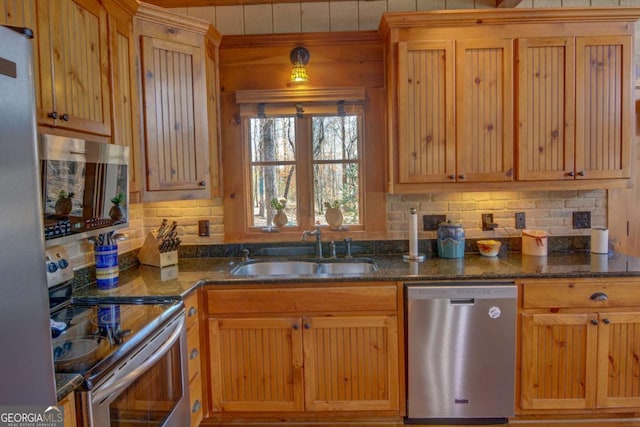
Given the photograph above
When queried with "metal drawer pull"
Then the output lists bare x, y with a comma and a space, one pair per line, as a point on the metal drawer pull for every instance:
194, 353
192, 311
599, 296
196, 406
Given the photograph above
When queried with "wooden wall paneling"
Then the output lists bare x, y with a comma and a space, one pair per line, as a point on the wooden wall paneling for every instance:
546, 108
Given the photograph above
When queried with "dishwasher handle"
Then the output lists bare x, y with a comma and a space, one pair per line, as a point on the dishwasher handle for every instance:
462, 301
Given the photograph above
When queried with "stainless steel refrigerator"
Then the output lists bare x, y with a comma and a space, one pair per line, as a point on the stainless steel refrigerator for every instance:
26, 362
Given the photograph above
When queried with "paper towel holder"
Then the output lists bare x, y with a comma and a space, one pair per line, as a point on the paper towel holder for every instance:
413, 254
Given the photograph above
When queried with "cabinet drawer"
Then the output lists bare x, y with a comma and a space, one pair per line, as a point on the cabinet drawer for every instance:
192, 308
576, 293
195, 400
281, 300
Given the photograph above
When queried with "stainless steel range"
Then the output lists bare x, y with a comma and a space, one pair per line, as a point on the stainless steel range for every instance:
131, 356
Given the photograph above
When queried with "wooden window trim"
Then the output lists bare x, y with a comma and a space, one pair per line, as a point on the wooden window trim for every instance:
372, 160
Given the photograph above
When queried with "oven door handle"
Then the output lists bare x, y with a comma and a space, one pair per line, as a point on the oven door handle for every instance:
109, 388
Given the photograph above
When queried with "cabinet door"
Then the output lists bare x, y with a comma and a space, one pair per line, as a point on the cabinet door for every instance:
618, 364
351, 363
426, 131
558, 361
22, 13
545, 79
484, 110
603, 107
256, 364
124, 101
175, 116
74, 65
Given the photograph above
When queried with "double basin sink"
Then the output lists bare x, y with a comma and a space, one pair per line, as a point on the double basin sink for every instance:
327, 267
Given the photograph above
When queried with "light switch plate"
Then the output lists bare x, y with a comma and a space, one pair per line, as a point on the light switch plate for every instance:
203, 227
582, 219
521, 220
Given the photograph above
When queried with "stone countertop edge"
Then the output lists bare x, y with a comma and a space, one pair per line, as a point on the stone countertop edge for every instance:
143, 283
66, 383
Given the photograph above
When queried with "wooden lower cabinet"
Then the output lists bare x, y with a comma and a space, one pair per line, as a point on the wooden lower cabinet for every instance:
580, 359
307, 360
194, 366
68, 404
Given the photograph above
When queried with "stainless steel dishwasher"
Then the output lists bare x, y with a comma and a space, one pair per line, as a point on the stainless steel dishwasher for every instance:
461, 340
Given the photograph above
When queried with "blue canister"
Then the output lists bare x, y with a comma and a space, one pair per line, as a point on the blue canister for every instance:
106, 266
450, 240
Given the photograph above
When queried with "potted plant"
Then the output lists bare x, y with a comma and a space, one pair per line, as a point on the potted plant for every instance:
115, 213
280, 219
63, 204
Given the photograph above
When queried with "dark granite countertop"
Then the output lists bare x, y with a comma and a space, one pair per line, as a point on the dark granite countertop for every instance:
145, 283
66, 383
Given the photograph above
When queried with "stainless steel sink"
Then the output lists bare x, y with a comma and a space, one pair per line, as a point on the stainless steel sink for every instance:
274, 268
287, 268
347, 267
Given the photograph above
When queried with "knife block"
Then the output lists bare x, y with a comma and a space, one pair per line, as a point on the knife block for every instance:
150, 255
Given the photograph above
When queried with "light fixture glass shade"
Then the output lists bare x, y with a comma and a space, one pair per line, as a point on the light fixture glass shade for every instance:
299, 73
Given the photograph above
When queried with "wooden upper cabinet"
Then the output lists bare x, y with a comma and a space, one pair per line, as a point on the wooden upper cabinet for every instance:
484, 110
546, 107
74, 66
177, 73
22, 13
125, 123
479, 100
426, 127
603, 107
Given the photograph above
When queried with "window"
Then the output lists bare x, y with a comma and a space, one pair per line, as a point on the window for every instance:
306, 152
281, 147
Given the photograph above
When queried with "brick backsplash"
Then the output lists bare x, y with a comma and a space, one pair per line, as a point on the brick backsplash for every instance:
545, 210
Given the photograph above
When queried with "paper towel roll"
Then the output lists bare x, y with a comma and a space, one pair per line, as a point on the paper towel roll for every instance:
599, 240
413, 233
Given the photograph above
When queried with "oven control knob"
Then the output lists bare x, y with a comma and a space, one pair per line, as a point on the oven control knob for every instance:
52, 267
63, 263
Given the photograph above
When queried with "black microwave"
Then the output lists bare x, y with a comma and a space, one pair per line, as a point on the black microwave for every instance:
84, 187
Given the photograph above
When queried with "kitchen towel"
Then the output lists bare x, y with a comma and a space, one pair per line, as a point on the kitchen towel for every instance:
599, 240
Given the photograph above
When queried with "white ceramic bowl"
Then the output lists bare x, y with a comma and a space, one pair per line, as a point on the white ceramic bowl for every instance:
489, 247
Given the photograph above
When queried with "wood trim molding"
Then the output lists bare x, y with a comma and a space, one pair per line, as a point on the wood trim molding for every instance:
305, 95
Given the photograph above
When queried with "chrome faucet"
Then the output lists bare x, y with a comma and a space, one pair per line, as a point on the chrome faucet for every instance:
318, 233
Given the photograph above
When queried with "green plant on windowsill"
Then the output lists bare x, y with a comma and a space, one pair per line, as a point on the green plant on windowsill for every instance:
115, 213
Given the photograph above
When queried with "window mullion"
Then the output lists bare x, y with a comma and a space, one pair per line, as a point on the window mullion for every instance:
305, 172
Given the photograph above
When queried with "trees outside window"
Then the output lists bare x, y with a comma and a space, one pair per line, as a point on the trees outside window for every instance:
307, 164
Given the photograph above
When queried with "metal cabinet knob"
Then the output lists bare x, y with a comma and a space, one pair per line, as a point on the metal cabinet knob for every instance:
594, 322
194, 353
53, 115
461, 176
606, 321
307, 326
202, 184
196, 406
581, 173
65, 117
192, 311
571, 173
452, 177
296, 326
599, 296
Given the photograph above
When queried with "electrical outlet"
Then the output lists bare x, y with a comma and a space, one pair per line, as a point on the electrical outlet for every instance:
582, 219
487, 222
431, 222
203, 228
521, 220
